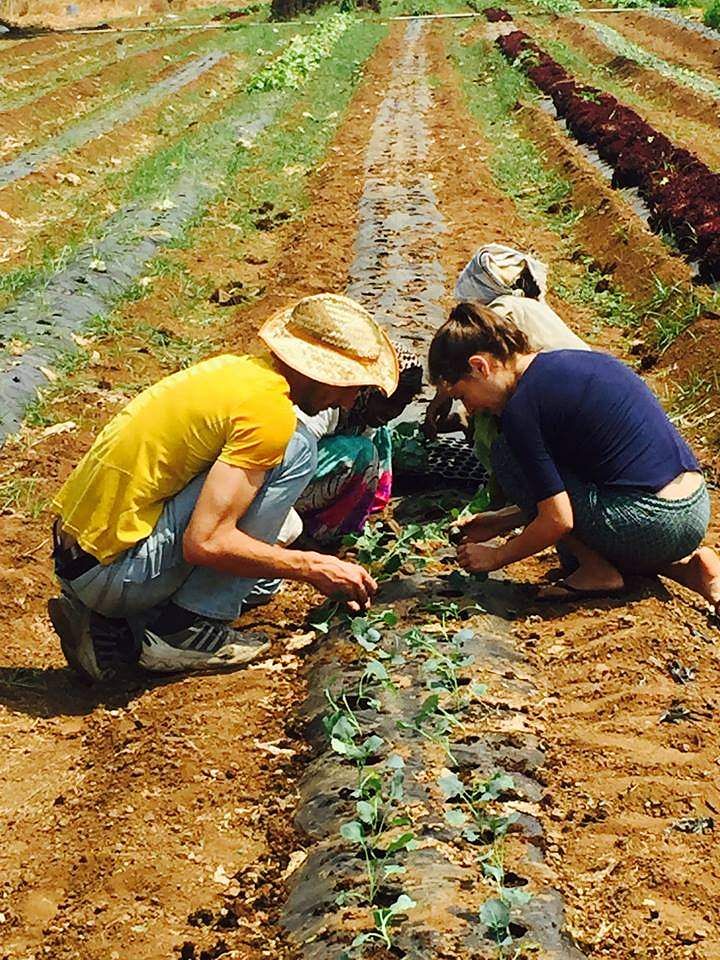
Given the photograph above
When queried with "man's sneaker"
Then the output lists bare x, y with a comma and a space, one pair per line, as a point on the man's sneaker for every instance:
204, 645
262, 593
93, 645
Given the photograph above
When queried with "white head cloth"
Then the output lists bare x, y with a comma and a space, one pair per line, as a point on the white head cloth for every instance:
493, 272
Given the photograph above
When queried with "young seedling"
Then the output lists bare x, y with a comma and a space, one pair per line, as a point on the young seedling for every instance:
432, 723
343, 729
377, 811
484, 827
383, 918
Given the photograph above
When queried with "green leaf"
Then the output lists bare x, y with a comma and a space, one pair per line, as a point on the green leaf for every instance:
393, 869
366, 812
515, 897
375, 669
371, 786
495, 914
372, 744
367, 644
392, 564
343, 729
455, 817
403, 902
352, 831
395, 762
428, 707
494, 871
498, 784
451, 785
347, 749
399, 843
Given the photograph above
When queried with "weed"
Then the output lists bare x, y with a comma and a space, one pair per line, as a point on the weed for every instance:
711, 17
688, 408
21, 495
594, 288
558, 7
104, 326
670, 311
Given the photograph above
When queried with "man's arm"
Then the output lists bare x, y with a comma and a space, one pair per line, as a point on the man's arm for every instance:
213, 540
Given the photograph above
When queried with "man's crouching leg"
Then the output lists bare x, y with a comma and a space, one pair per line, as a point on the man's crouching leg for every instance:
192, 631
96, 647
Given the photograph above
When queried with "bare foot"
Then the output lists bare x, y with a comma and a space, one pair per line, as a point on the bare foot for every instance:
593, 578
699, 572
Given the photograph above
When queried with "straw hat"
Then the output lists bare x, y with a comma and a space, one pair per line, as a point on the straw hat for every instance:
334, 340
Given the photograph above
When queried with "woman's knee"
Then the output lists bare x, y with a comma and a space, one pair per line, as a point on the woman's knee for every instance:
510, 477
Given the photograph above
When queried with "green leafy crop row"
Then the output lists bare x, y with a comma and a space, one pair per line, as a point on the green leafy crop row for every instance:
301, 57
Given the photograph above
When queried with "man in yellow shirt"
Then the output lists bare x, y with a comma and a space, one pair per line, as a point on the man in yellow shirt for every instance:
173, 515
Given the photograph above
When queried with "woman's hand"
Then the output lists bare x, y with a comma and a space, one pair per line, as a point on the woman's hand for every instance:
477, 558
481, 527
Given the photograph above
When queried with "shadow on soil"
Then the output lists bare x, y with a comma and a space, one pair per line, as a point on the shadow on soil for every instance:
58, 692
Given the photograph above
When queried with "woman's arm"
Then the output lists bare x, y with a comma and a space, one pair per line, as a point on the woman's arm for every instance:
554, 521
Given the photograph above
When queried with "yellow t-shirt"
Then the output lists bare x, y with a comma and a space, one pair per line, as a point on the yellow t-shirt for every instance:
235, 409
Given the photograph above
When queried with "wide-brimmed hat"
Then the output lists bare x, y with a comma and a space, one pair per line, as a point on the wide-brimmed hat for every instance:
334, 340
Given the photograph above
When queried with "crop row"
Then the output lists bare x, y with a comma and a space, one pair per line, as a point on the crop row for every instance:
405, 690
683, 194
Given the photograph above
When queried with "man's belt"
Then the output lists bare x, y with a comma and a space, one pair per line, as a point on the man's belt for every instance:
71, 561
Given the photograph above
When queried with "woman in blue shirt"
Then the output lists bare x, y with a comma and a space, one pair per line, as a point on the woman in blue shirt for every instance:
587, 454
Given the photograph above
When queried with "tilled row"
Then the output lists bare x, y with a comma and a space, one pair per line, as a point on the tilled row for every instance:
682, 193
101, 272
87, 129
422, 794
27, 123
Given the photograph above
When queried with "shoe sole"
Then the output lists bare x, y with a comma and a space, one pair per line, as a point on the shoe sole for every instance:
64, 628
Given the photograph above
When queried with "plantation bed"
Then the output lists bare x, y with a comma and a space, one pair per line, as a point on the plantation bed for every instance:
684, 195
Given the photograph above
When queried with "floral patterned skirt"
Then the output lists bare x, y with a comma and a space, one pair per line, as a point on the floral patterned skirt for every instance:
353, 479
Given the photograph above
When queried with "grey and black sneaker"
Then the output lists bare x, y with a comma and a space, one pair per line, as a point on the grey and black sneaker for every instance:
202, 645
93, 645
262, 593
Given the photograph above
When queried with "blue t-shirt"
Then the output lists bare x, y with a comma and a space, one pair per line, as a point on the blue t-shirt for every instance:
588, 413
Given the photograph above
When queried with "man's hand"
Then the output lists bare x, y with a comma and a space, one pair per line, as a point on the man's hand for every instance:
476, 558
340, 579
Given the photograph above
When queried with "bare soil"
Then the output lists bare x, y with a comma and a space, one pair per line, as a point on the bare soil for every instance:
671, 42
28, 124
42, 207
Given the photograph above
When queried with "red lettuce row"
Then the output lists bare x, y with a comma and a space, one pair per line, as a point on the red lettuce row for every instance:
683, 195
496, 14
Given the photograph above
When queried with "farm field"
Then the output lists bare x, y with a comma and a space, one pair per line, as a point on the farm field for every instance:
460, 772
